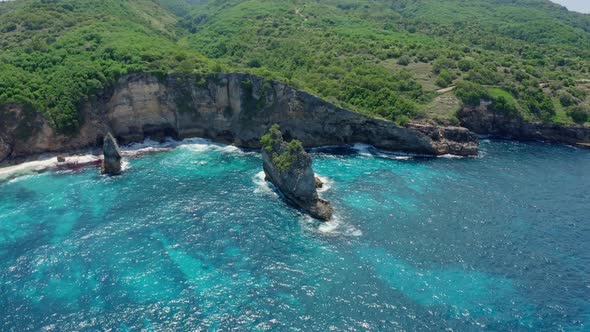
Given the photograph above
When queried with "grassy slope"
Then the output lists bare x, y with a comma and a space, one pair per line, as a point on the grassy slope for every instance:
54, 54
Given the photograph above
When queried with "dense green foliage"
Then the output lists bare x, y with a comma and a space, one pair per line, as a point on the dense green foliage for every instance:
531, 58
56, 54
580, 114
360, 53
282, 160
270, 138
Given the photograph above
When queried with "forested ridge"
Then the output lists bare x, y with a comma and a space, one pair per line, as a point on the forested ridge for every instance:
530, 58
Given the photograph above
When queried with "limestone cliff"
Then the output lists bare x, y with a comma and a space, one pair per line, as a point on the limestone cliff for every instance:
485, 121
288, 167
229, 108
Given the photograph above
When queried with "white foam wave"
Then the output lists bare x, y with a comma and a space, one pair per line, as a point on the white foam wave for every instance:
371, 151
47, 162
363, 149
195, 144
396, 157
27, 168
336, 226
202, 144
43, 164
125, 165
262, 186
327, 183
450, 156
147, 144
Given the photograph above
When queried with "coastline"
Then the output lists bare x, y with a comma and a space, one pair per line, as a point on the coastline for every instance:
79, 158
45, 163
485, 121
228, 108
225, 110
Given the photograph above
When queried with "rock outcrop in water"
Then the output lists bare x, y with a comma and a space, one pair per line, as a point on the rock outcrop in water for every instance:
288, 167
111, 163
228, 108
319, 184
485, 121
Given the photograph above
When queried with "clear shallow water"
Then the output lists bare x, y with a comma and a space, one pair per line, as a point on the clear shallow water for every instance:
193, 238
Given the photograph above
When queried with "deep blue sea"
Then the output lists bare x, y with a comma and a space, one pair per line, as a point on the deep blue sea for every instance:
193, 239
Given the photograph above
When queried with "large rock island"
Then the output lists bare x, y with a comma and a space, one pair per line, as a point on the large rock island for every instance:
288, 167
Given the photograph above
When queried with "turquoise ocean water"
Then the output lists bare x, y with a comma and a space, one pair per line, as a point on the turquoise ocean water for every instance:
194, 239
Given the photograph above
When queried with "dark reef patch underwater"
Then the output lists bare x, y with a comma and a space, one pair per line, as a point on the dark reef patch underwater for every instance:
193, 238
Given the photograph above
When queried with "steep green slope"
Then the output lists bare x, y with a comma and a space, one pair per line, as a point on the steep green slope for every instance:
369, 55
385, 58
54, 54
509, 21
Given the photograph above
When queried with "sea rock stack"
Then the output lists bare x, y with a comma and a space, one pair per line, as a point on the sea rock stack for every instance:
288, 167
111, 163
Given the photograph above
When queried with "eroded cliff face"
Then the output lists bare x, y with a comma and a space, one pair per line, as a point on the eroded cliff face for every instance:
24, 133
229, 108
485, 121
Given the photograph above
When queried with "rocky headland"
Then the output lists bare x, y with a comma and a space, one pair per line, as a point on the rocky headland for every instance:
229, 108
483, 120
288, 167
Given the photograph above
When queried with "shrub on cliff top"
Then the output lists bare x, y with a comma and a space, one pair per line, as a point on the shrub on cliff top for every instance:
504, 105
471, 94
580, 114
503, 101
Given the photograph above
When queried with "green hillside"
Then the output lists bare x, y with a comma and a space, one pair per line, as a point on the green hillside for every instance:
384, 58
55, 54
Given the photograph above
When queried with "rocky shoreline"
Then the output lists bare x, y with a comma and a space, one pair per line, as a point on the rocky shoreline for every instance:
227, 108
238, 108
484, 121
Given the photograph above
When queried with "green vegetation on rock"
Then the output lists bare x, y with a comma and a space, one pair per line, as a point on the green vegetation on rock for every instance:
270, 138
283, 154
